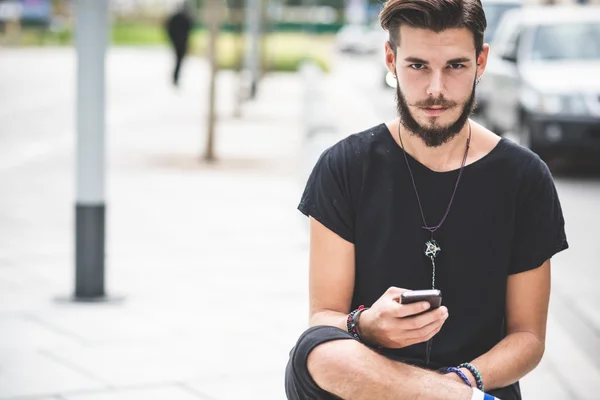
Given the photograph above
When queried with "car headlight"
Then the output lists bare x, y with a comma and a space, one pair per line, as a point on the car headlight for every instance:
570, 104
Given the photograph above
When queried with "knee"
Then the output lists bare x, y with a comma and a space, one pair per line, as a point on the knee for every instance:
330, 363
310, 349
317, 351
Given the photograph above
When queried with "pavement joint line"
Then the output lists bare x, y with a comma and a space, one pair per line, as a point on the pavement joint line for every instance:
63, 332
67, 364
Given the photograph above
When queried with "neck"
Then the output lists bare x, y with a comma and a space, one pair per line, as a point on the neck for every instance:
446, 157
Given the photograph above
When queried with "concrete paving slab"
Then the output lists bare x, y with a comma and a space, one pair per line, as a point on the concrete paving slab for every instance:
36, 373
24, 332
257, 387
179, 359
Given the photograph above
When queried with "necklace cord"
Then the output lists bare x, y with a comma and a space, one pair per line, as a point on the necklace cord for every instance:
432, 229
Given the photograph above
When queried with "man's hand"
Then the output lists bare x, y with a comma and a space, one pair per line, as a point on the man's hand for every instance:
394, 325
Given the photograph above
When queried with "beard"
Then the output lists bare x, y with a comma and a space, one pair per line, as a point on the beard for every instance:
434, 135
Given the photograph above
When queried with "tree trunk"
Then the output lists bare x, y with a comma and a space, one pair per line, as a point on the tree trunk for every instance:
239, 58
264, 31
212, 15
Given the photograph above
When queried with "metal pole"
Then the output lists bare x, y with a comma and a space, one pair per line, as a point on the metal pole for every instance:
253, 12
91, 37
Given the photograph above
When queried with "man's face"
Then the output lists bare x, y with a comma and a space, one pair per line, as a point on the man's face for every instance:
436, 82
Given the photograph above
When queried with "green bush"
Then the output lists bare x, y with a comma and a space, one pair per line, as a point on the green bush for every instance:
282, 51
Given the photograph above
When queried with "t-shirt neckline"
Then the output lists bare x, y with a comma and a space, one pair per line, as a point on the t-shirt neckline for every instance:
472, 165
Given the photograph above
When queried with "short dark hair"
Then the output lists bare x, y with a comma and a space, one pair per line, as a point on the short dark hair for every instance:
435, 15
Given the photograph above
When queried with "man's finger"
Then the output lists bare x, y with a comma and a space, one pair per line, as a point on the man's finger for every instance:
406, 310
419, 321
426, 332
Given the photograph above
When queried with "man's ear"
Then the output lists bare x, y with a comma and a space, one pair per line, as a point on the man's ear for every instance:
390, 58
482, 60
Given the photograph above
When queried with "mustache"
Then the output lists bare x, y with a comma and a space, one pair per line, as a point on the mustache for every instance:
439, 102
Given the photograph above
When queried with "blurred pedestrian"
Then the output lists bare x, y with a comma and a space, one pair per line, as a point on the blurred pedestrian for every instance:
179, 26
429, 201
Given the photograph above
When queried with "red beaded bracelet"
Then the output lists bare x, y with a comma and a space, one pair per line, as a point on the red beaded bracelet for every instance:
352, 326
352, 321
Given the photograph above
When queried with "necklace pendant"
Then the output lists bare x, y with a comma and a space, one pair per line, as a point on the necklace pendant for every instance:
432, 249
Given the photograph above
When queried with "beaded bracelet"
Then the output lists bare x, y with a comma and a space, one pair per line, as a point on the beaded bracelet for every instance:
352, 326
352, 322
472, 369
459, 373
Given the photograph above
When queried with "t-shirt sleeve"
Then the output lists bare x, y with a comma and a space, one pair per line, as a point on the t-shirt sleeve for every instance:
328, 195
540, 225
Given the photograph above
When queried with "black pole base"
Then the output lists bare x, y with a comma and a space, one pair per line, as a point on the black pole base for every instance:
117, 300
89, 251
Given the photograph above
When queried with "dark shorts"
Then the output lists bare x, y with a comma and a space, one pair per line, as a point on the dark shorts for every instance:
299, 385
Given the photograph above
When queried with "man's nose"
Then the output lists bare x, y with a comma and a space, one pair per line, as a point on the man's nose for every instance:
436, 84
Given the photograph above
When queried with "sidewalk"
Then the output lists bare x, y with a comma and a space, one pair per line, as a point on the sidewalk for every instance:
211, 259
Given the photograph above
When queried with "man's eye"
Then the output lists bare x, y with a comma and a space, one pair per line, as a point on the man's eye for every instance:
417, 66
456, 66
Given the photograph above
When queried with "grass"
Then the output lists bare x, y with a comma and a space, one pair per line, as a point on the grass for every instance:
138, 34
282, 51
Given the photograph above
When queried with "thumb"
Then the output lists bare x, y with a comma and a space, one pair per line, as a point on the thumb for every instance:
396, 292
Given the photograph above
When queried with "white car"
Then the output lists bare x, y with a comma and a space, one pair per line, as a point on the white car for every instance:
543, 79
494, 13
357, 39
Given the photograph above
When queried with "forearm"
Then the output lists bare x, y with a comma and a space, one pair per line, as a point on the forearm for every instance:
380, 377
340, 320
511, 359
349, 370
329, 318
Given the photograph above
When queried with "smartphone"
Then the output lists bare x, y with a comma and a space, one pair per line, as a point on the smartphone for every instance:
433, 296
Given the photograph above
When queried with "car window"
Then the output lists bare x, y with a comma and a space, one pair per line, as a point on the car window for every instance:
493, 16
512, 44
567, 42
508, 26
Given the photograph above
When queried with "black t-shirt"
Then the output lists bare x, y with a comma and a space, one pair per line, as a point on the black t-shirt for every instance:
506, 218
